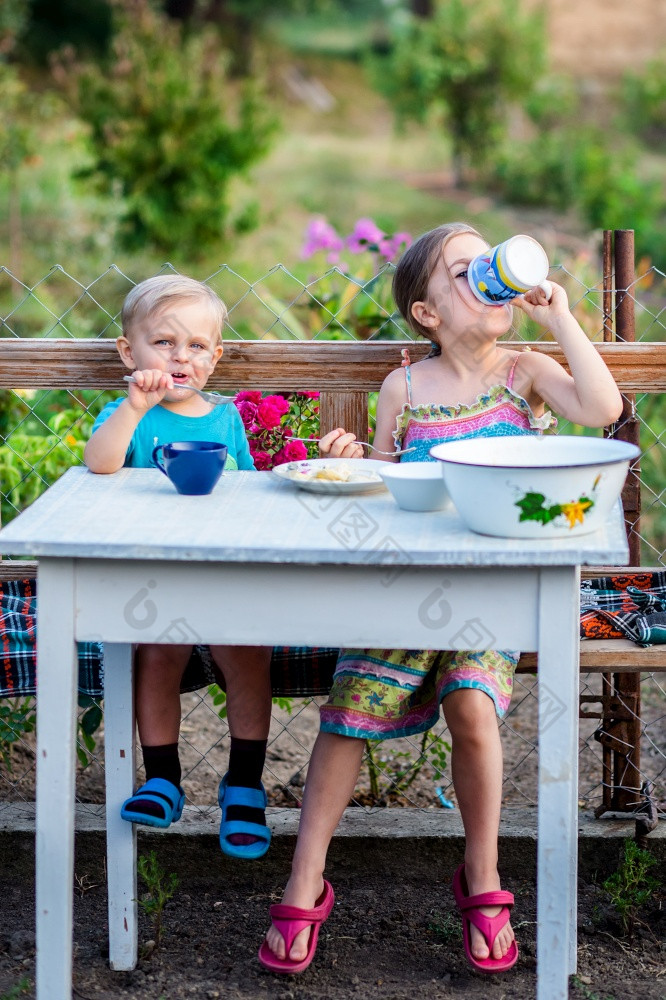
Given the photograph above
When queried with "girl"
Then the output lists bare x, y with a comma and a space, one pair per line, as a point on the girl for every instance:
469, 386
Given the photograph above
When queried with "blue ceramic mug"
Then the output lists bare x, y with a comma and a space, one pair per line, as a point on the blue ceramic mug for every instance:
193, 467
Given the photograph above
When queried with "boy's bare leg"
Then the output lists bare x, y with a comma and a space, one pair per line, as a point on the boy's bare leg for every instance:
159, 671
476, 764
331, 779
246, 674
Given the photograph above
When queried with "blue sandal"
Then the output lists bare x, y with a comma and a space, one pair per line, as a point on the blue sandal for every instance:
160, 792
254, 798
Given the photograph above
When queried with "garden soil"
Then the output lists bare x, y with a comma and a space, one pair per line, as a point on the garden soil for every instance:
393, 934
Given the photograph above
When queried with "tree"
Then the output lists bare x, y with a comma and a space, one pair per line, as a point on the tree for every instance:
467, 61
22, 111
168, 132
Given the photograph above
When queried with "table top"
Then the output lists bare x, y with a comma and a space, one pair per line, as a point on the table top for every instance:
254, 517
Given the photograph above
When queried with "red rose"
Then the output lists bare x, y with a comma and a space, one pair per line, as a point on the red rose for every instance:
279, 402
249, 396
262, 460
248, 412
293, 451
268, 415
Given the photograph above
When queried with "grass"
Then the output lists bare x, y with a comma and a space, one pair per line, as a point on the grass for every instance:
14, 992
586, 993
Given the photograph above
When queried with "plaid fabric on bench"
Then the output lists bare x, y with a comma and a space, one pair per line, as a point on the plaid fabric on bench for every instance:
18, 642
296, 672
624, 606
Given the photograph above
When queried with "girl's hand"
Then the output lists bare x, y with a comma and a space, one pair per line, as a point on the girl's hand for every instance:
540, 308
340, 444
148, 389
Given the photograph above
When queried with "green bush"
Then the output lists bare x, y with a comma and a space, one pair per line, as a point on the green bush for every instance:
644, 101
468, 61
574, 167
168, 132
30, 462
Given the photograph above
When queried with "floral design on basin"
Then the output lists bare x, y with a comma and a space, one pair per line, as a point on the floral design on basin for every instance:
535, 507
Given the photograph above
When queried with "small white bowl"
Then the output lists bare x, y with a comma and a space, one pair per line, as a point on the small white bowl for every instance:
529, 486
416, 485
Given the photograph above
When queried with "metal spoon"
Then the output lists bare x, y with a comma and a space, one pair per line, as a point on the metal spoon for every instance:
366, 444
211, 397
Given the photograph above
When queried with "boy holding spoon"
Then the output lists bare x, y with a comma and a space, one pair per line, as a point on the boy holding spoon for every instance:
171, 342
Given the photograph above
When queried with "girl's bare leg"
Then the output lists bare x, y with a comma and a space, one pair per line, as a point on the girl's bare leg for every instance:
476, 762
332, 774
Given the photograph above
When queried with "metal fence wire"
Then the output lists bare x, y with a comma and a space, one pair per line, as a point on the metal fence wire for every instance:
41, 434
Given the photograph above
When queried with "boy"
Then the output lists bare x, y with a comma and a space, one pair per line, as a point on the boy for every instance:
171, 342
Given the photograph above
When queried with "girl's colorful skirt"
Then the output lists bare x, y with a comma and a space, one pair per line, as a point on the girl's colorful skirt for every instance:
383, 693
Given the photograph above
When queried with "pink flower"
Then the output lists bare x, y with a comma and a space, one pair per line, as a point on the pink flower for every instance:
279, 402
268, 416
262, 460
249, 395
293, 451
391, 246
248, 412
365, 234
309, 395
320, 235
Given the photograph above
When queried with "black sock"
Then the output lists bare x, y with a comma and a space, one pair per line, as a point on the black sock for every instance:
162, 762
246, 765
159, 762
246, 762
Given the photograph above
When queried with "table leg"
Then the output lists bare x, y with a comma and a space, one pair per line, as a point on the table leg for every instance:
57, 671
120, 835
557, 859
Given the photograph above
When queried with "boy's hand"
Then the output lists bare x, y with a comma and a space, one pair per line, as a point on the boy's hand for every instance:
148, 389
340, 444
540, 308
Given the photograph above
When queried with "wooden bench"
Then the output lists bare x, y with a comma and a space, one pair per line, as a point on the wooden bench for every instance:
344, 374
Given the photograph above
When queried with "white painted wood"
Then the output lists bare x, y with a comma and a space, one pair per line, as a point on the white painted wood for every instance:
253, 517
427, 607
558, 781
119, 764
153, 566
56, 729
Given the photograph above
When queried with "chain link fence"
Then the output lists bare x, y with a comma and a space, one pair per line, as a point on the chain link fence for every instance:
42, 433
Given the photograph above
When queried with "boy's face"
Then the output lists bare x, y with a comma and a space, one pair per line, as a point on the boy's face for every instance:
182, 339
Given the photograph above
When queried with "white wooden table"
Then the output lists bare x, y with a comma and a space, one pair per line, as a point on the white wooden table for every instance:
125, 559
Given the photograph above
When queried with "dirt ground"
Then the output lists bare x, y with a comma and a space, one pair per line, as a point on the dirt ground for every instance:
388, 937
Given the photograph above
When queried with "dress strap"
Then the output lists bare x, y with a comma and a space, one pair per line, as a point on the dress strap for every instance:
406, 364
509, 381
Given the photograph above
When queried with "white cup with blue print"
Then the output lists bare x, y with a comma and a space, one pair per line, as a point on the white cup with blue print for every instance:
509, 269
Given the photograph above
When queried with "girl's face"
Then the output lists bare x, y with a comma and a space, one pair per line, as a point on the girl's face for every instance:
456, 312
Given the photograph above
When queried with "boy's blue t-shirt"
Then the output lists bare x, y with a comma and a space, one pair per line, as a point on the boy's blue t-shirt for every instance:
160, 426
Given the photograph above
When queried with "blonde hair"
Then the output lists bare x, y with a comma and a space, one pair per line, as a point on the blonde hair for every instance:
153, 294
410, 281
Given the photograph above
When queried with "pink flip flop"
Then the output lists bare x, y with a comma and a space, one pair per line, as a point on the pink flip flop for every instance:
290, 921
489, 926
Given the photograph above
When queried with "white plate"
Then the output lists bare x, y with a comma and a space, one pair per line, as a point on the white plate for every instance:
358, 465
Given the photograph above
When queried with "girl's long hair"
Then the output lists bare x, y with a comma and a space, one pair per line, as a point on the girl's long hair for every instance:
410, 281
